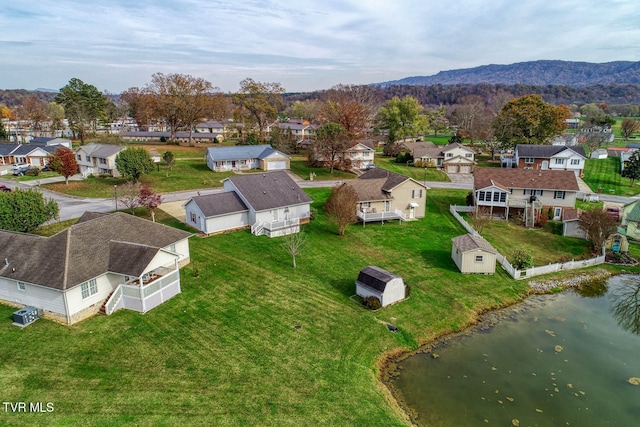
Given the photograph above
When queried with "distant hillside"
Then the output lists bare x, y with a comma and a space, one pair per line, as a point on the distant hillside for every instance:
538, 73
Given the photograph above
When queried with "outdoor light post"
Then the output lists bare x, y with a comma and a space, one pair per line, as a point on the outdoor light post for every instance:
115, 195
425, 176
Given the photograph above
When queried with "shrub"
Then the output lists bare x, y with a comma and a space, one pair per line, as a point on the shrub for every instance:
33, 172
163, 139
372, 303
522, 259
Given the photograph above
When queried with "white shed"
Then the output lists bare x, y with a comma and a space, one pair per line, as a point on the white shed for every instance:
473, 254
382, 284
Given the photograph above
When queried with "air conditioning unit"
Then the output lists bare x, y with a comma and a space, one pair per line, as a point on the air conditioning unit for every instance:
528, 167
25, 316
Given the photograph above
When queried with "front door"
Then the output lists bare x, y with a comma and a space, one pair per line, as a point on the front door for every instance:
412, 212
557, 212
274, 214
545, 164
387, 205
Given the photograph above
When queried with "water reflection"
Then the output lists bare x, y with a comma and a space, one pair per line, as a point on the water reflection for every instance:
625, 305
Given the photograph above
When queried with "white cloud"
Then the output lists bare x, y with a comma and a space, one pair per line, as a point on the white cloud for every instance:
304, 45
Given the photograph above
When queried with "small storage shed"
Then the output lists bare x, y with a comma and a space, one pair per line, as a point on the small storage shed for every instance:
473, 254
382, 284
617, 242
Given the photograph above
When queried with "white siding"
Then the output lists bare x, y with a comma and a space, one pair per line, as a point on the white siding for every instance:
226, 222
105, 283
36, 296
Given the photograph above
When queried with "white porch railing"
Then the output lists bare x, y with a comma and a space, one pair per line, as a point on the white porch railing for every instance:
278, 225
381, 216
257, 228
143, 298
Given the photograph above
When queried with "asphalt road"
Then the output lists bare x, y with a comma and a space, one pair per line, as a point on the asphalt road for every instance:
73, 207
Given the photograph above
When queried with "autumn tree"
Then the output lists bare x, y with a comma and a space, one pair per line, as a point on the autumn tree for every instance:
180, 100
35, 111
142, 106
261, 101
473, 119
402, 118
437, 119
632, 168
63, 161
129, 195
598, 225
331, 142
149, 198
341, 206
134, 162
308, 109
529, 120
628, 127
350, 106
168, 158
83, 106
25, 210
55, 112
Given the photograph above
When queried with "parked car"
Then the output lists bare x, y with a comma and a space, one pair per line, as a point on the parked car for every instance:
4, 188
614, 212
371, 166
20, 169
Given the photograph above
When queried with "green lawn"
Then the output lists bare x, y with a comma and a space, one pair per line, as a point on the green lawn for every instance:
300, 166
605, 174
252, 341
418, 174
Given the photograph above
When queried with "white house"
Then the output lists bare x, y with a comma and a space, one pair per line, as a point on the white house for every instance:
552, 157
267, 203
98, 159
243, 157
103, 261
382, 284
452, 158
473, 254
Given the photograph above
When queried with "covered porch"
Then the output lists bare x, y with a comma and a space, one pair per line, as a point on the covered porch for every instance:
277, 228
145, 292
365, 216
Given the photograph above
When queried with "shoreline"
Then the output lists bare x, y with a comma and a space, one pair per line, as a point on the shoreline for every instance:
388, 364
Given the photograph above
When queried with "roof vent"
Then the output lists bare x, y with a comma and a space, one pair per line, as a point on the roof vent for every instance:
264, 192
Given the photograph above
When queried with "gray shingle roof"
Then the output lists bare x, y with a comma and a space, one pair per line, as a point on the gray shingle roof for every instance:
101, 150
392, 179
469, 242
219, 204
6, 149
269, 190
240, 152
546, 151
130, 259
81, 252
376, 277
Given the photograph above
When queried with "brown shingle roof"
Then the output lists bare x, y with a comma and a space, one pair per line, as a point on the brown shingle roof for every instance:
525, 178
81, 252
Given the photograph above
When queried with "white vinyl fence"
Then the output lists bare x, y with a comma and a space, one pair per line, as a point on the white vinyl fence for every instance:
528, 272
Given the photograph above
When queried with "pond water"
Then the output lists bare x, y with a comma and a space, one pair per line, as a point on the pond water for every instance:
554, 360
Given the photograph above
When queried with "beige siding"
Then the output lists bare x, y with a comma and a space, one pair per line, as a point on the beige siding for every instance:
466, 261
403, 195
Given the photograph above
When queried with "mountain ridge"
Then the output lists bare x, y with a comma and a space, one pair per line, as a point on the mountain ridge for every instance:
540, 73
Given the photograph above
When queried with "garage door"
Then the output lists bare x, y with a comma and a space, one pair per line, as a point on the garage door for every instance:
276, 166
452, 169
465, 169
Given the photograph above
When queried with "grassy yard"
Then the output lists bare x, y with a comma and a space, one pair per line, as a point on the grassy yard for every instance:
300, 166
418, 174
251, 341
605, 174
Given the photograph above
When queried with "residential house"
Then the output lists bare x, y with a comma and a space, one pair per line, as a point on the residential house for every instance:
244, 157
385, 195
359, 155
387, 287
267, 203
571, 223
112, 261
473, 254
525, 191
600, 153
630, 219
222, 130
34, 155
182, 137
302, 130
567, 138
51, 142
553, 157
98, 159
452, 158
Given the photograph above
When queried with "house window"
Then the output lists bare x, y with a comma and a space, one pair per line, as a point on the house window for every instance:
529, 160
102, 161
365, 204
496, 196
575, 161
503, 197
87, 158
469, 155
449, 154
192, 215
479, 258
481, 195
559, 161
559, 194
417, 194
172, 248
531, 192
89, 288
22, 287
79, 157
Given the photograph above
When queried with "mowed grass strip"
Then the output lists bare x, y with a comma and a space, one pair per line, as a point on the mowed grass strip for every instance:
419, 174
605, 174
250, 340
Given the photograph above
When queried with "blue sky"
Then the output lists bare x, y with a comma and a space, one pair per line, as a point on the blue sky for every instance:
304, 45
